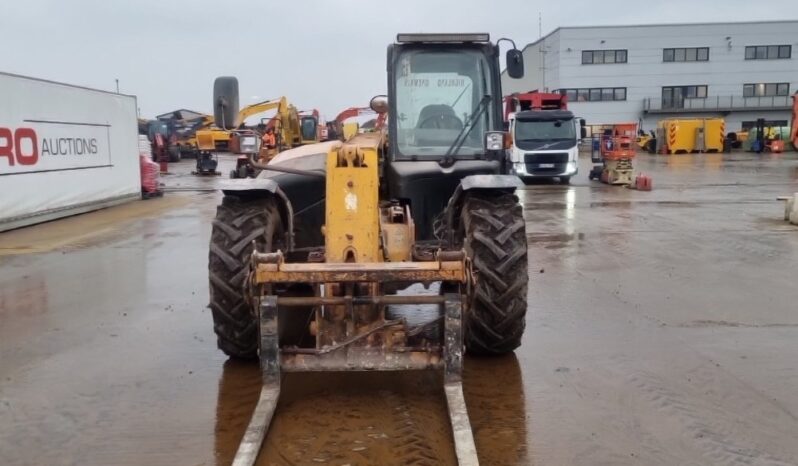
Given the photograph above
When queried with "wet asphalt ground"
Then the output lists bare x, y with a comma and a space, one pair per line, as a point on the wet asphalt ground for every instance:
662, 330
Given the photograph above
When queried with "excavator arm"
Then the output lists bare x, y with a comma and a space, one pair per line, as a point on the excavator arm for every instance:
280, 104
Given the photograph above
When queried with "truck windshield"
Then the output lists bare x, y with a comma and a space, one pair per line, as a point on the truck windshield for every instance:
540, 131
437, 94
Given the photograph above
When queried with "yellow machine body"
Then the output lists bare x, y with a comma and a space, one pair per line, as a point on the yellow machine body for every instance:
352, 227
211, 139
694, 135
350, 130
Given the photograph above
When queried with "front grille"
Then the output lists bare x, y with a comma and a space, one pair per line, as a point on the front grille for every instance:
535, 169
553, 157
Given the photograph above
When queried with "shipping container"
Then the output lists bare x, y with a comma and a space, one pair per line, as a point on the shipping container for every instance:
64, 150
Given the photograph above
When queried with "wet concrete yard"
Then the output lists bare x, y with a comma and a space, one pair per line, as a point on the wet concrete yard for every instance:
662, 330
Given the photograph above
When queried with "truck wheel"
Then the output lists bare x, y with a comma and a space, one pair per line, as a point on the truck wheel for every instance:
238, 222
565, 180
495, 239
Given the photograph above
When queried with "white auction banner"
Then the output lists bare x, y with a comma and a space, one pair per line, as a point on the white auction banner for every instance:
63, 150
54, 145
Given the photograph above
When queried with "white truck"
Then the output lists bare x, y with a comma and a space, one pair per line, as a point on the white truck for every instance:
545, 144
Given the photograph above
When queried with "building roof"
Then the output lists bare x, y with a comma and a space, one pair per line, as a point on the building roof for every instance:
618, 26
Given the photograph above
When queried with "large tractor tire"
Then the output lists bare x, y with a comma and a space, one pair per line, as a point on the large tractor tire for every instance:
495, 239
238, 223
225, 101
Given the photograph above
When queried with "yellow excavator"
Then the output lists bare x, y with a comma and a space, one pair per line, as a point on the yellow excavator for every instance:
291, 128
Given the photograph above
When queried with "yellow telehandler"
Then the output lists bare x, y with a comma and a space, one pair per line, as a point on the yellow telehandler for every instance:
309, 260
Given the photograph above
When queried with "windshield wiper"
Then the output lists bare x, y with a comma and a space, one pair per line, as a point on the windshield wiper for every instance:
468, 126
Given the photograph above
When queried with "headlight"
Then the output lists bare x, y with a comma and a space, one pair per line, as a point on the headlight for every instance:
494, 140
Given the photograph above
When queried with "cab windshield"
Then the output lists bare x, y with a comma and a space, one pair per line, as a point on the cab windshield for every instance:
540, 131
308, 128
443, 104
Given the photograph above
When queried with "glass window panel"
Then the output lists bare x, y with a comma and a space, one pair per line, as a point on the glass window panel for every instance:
607, 94
609, 56
620, 57
701, 92
770, 89
691, 91
598, 57
620, 93
667, 55
759, 89
761, 52
595, 95
583, 95
773, 51
783, 89
750, 53
785, 51
748, 90
571, 95
587, 57
703, 54
691, 54
679, 54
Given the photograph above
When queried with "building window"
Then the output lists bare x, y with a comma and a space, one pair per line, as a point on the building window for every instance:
766, 89
768, 52
596, 94
686, 54
674, 96
597, 57
571, 95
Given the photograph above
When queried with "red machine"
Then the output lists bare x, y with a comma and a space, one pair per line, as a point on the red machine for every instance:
160, 152
617, 150
534, 100
336, 126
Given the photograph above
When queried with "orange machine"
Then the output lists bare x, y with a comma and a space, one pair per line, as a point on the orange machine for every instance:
336, 127
617, 152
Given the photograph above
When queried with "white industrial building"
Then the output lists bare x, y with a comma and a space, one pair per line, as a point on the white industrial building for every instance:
644, 73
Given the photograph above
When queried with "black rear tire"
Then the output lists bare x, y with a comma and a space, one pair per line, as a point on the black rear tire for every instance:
174, 154
238, 223
565, 180
225, 101
495, 239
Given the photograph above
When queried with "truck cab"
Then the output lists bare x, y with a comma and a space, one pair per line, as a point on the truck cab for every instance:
545, 144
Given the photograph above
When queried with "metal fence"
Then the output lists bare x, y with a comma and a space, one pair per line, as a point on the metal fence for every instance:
720, 103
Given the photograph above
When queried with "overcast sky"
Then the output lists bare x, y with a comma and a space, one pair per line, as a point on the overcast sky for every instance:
327, 54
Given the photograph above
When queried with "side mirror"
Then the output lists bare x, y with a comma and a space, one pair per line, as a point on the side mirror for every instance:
583, 132
515, 63
582, 122
379, 104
